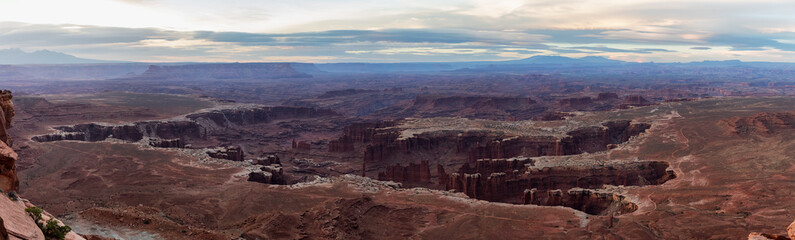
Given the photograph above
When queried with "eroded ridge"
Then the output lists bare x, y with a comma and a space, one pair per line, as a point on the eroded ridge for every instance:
519, 181
494, 160
179, 132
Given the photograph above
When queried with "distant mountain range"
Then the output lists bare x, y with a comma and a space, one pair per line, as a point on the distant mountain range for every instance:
17, 56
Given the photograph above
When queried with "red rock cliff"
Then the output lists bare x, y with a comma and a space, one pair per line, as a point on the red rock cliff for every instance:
8, 158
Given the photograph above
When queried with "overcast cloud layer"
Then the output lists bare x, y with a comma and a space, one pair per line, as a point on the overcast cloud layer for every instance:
392, 31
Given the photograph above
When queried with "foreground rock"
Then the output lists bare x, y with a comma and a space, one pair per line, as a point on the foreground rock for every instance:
15, 222
8, 158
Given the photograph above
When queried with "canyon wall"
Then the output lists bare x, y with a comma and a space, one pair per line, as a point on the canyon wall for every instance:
412, 173
509, 184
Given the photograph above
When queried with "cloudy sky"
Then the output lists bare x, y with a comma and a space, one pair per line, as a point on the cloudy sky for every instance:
404, 30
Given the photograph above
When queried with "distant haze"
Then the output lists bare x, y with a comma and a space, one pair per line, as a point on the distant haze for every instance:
400, 31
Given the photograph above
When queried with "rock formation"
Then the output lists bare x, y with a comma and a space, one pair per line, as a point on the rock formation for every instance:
589, 201
505, 180
271, 174
766, 236
198, 126
268, 160
166, 143
234, 153
483, 145
606, 96
15, 223
791, 230
8, 158
634, 101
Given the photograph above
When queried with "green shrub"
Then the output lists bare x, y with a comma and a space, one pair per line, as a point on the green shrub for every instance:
35, 213
51, 230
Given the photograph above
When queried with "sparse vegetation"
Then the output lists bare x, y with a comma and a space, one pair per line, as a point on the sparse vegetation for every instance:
50, 228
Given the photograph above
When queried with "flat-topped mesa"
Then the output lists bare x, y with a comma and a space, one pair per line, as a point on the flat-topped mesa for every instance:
222, 71
225, 118
411, 174
590, 201
472, 145
575, 102
606, 96
8, 158
198, 125
765, 123
92, 132
508, 186
634, 101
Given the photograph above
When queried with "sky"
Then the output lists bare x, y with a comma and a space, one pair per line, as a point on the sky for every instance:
402, 31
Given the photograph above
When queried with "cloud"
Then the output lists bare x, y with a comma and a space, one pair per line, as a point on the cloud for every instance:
701, 48
618, 50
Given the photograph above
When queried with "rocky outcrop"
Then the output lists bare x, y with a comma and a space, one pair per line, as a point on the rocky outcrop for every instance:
413, 173
765, 236
791, 230
763, 124
234, 153
268, 160
166, 143
508, 182
271, 174
589, 201
8, 158
15, 223
222, 71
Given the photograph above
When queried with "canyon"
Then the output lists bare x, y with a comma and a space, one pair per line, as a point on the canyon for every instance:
220, 151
